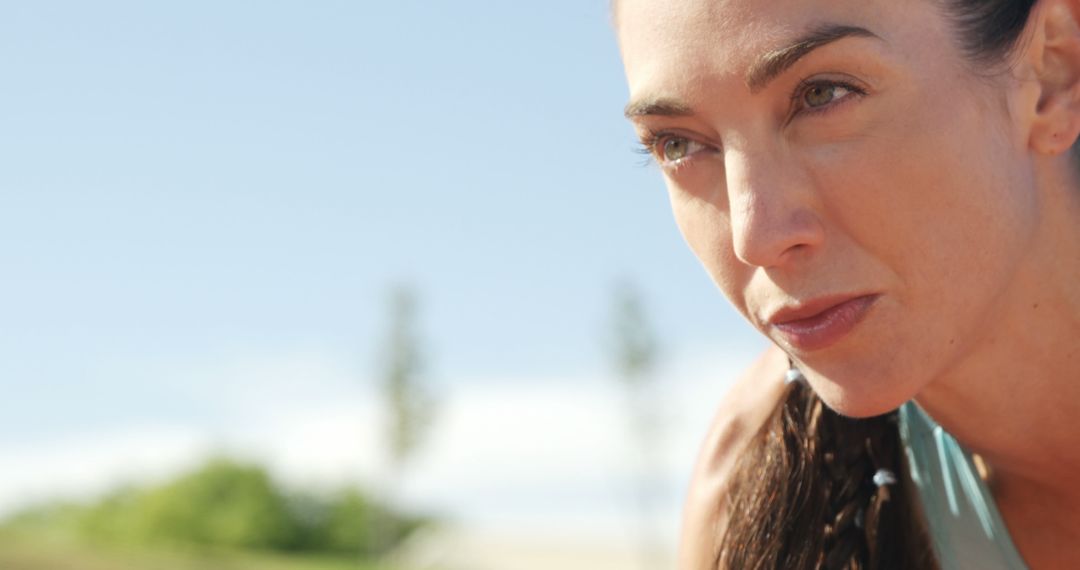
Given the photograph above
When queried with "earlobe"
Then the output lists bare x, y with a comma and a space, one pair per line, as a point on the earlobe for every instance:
1054, 54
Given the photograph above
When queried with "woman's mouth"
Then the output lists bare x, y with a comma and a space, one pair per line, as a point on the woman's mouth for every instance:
819, 323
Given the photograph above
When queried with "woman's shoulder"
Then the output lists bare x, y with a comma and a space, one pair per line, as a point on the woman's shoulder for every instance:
741, 414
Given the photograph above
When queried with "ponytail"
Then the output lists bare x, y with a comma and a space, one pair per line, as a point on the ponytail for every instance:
821, 491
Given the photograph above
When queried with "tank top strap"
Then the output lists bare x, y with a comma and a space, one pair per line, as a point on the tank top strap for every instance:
966, 528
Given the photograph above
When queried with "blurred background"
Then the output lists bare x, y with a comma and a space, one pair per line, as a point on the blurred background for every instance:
314, 285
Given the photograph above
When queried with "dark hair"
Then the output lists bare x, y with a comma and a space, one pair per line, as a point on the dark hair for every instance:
806, 499
803, 498
988, 30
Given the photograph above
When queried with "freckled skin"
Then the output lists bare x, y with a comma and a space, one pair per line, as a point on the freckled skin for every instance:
917, 191
950, 194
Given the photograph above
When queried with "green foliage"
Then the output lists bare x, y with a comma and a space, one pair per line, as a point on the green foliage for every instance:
51, 521
410, 406
116, 518
634, 346
223, 504
20, 551
226, 505
634, 356
349, 522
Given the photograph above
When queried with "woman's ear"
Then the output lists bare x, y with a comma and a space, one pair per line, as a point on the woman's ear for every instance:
1053, 52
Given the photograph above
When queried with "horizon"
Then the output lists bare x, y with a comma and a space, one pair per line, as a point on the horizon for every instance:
205, 207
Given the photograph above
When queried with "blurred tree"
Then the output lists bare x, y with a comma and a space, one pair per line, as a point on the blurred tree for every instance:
348, 522
408, 403
634, 351
635, 346
223, 504
116, 518
356, 521
226, 505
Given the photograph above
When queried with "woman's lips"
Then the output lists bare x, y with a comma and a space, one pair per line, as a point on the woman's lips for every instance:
820, 323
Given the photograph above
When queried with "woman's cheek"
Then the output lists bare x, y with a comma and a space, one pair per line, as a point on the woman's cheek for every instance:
706, 228
702, 177
702, 222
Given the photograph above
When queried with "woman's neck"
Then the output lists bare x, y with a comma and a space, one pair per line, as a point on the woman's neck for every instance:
1015, 398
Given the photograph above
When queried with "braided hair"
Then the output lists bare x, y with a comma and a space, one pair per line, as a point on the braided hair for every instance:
813, 503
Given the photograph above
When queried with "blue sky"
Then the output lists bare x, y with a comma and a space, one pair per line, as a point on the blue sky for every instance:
189, 185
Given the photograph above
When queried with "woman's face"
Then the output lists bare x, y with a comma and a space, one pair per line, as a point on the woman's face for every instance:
859, 194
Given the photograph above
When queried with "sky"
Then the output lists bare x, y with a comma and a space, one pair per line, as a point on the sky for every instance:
204, 206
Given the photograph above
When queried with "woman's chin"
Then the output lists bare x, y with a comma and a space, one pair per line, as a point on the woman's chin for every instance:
858, 399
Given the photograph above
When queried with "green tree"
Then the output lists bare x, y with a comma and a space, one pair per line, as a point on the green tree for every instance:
409, 404
224, 504
634, 347
634, 354
355, 522
348, 522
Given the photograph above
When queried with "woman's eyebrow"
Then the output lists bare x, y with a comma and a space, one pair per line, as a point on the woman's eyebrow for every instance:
767, 68
662, 106
773, 63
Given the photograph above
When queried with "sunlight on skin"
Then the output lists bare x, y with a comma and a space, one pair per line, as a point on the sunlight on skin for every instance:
876, 166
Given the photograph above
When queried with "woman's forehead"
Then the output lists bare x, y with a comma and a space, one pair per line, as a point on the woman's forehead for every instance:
698, 40
685, 23
733, 15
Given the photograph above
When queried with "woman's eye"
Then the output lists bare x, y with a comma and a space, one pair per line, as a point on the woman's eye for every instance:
672, 150
675, 149
822, 94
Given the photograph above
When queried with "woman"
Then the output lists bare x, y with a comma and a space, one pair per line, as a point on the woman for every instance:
885, 190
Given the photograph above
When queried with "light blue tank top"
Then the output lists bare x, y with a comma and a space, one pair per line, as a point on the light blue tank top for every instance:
967, 530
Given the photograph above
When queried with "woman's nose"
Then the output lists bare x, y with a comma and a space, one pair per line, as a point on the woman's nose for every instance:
771, 207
